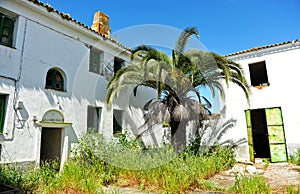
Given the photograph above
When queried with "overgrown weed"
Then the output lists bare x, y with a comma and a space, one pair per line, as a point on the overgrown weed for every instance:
97, 163
250, 184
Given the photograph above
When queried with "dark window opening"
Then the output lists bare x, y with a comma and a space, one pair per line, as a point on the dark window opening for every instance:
118, 64
2, 111
96, 61
117, 122
54, 80
6, 30
94, 118
258, 74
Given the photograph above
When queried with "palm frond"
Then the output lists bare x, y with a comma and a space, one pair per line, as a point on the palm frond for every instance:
184, 38
206, 101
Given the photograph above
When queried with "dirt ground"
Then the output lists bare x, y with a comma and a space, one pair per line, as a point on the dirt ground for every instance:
278, 175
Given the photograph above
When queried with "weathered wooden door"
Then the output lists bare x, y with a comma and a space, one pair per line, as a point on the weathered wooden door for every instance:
275, 131
250, 138
276, 135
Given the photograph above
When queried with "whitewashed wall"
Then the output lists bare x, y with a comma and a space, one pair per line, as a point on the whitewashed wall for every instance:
43, 41
282, 63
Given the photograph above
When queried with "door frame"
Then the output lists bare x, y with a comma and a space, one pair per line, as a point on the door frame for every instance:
61, 131
270, 124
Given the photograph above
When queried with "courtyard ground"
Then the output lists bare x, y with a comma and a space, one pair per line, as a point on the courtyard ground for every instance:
278, 175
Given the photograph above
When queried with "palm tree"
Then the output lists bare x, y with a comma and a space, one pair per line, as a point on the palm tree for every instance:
177, 80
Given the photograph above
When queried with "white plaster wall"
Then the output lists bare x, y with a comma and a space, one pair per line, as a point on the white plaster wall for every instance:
43, 41
282, 65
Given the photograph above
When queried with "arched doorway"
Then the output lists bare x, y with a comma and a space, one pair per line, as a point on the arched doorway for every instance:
53, 141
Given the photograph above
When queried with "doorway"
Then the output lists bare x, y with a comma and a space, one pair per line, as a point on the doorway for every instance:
51, 144
266, 136
260, 134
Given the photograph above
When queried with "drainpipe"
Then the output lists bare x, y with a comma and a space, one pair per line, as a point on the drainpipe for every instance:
17, 87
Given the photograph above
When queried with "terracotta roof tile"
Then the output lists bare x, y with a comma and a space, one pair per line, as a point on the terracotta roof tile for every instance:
262, 47
69, 18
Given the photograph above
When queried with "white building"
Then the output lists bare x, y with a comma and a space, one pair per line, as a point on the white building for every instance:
271, 122
53, 78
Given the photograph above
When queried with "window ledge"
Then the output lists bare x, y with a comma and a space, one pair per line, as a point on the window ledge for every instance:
261, 86
51, 89
53, 124
5, 46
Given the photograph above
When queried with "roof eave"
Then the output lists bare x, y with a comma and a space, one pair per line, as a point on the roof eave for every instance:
65, 19
283, 46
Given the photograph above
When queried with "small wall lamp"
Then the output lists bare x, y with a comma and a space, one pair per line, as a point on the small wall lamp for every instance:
19, 106
34, 119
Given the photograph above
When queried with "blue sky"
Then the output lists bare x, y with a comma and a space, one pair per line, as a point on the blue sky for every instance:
225, 26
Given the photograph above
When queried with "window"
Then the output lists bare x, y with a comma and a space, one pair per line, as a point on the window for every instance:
118, 64
117, 122
96, 61
258, 74
94, 118
54, 80
2, 111
6, 30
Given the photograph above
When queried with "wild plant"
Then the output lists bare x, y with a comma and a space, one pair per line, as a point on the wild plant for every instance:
250, 185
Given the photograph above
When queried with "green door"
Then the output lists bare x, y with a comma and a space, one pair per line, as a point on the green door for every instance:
250, 137
276, 135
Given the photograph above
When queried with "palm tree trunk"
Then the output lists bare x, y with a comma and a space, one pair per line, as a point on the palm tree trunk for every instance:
178, 135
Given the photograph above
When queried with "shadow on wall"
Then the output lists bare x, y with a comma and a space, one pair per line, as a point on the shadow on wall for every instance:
135, 125
22, 115
73, 139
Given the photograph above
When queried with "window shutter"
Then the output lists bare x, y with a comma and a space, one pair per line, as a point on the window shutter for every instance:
1, 26
2, 111
95, 61
7, 29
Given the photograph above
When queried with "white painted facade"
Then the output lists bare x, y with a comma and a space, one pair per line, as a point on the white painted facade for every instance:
282, 64
45, 40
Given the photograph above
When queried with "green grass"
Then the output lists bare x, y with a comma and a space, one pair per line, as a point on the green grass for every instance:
295, 159
250, 185
98, 163
293, 190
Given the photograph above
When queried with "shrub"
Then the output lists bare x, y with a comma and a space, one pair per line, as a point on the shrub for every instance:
183, 172
298, 156
295, 159
98, 163
11, 175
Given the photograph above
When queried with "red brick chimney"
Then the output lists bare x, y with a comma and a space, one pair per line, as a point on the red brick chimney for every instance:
101, 24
